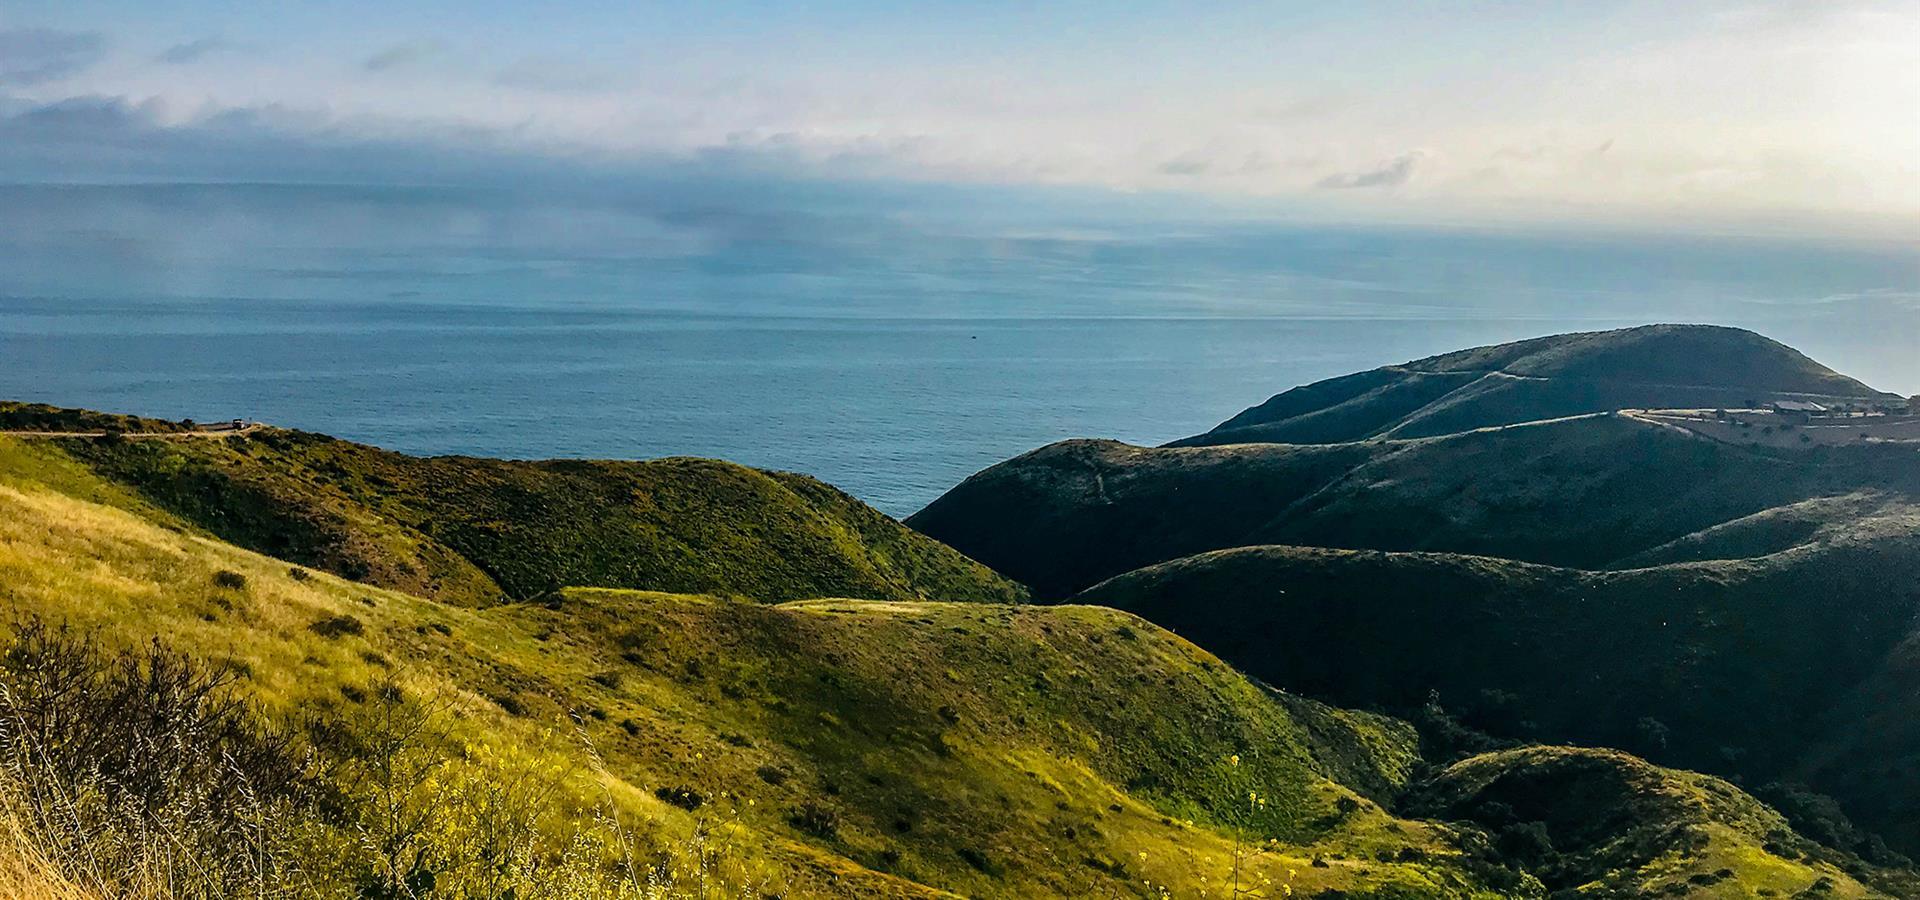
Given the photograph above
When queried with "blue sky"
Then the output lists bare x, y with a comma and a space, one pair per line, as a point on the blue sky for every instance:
1784, 115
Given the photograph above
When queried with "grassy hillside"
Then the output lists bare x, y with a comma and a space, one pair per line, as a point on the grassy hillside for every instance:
478, 531
16, 416
616, 743
1655, 366
1591, 491
1070, 514
1600, 823
823, 747
1754, 668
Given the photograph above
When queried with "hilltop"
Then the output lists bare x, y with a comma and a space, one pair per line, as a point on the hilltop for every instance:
1654, 366
480, 531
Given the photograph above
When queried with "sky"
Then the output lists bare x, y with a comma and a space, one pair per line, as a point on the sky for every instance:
1778, 116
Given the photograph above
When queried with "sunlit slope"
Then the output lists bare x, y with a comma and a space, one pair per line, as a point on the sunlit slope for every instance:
868, 747
478, 531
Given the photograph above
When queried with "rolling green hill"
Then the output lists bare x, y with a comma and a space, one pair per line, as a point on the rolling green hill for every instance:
479, 531
593, 742
1655, 366
848, 747
1776, 668
1593, 491
1600, 823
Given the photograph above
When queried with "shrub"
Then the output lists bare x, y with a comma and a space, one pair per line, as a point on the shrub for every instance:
338, 626
773, 775
1526, 842
978, 860
683, 797
230, 580
816, 819
103, 753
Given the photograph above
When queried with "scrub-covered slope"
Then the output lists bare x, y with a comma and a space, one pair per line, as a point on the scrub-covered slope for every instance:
1786, 667
477, 531
704, 746
1600, 823
1593, 491
838, 747
1654, 366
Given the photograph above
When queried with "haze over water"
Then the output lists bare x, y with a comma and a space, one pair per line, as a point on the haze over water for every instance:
888, 348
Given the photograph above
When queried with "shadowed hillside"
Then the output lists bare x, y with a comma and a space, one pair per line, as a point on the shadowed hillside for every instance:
1592, 492
1600, 823
1655, 366
1500, 526
477, 531
1755, 668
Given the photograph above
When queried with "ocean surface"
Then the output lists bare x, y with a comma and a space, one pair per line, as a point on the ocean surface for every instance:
891, 348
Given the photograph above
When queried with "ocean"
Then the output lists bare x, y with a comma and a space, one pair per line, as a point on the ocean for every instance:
891, 348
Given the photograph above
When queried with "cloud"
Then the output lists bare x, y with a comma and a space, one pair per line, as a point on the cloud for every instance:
1217, 165
1394, 173
193, 51
551, 76
400, 56
36, 55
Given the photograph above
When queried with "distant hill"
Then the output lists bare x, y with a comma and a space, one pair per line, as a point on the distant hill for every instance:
1500, 527
1594, 491
480, 531
1761, 667
1655, 366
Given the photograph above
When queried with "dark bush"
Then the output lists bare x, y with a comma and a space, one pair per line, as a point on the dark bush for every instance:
230, 580
813, 818
978, 860
137, 743
1650, 736
1526, 843
338, 626
685, 798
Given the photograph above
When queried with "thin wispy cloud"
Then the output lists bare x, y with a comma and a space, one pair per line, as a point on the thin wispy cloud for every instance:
194, 51
30, 56
552, 75
1394, 173
401, 55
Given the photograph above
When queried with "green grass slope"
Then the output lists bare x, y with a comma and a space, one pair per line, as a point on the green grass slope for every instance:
1757, 668
16, 416
840, 747
1654, 366
477, 531
1589, 491
1601, 823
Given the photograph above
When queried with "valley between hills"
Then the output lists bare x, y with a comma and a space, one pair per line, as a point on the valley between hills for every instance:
1616, 614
